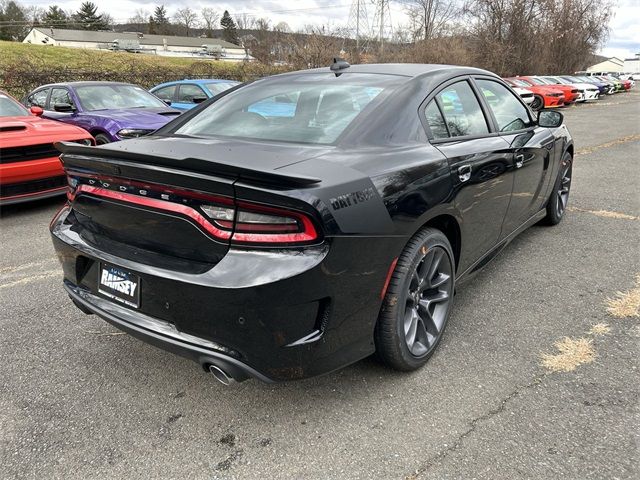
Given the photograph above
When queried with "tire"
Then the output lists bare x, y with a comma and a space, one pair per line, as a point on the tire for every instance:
417, 303
559, 198
102, 139
537, 104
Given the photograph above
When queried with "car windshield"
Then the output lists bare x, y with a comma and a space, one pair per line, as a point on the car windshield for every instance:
218, 87
307, 108
537, 81
11, 108
521, 83
106, 97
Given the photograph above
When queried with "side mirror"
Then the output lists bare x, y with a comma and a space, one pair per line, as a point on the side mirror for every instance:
168, 102
199, 99
36, 110
64, 107
550, 118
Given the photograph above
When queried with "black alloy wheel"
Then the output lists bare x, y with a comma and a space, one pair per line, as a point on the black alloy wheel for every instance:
559, 199
102, 139
537, 104
418, 302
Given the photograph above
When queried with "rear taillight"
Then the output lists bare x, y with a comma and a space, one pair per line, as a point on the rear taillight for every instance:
259, 224
223, 218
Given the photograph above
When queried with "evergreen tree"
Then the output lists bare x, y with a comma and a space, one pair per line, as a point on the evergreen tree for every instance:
87, 18
161, 20
55, 17
229, 29
12, 22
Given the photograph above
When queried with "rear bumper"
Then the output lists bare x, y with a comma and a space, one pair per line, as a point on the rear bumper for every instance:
162, 334
271, 315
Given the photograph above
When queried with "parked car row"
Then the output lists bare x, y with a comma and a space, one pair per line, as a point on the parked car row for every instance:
95, 113
552, 91
106, 112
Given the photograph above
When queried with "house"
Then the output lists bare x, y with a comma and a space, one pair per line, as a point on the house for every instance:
615, 64
165, 45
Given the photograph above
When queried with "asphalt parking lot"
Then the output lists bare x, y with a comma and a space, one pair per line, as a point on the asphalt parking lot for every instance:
80, 400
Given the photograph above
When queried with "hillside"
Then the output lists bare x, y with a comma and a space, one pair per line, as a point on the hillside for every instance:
25, 66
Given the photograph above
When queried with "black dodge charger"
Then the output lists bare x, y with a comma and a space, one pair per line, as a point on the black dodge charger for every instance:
297, 224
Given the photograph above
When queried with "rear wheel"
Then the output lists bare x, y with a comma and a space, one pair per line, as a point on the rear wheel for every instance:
537, 104
418, 302
102, 139
557, 204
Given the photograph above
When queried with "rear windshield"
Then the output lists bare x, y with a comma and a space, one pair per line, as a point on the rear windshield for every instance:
307, 108
10, 108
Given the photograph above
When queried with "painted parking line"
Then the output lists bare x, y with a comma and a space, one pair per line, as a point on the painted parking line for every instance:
31, 279
604, 213
612, 143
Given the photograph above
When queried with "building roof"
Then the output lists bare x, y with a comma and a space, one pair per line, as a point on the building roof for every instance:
62, 35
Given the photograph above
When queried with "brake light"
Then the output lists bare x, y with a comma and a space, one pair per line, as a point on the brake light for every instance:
239, 222
261, 224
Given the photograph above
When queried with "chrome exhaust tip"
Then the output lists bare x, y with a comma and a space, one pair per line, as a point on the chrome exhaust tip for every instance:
220, 375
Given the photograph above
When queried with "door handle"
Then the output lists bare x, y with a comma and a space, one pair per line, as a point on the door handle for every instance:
519, 160
464, 173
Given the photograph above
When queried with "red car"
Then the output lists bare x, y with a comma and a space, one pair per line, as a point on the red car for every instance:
571, 93
546, 96
29, 163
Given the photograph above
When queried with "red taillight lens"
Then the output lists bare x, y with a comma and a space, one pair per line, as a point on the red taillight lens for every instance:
261, 224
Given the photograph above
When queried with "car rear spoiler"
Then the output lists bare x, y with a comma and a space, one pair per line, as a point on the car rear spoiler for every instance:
76, 155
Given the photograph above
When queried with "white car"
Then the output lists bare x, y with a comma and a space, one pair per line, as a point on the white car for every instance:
587, 91
525, 94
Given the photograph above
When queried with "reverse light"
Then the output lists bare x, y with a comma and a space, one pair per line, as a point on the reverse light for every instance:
133, 132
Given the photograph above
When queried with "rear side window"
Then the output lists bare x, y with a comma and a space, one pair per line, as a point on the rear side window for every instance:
188, 92
436, 121
509, 112
59, 96
38, 99
165, 93
462, 111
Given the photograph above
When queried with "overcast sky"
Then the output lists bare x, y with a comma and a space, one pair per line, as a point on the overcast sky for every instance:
624, 40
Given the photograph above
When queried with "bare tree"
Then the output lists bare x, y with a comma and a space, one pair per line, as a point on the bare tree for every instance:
314, 47
430, 17
186, 18
140, 19
210, 19
245, 22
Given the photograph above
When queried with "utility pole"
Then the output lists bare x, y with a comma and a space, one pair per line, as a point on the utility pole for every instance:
382, 27
358, 25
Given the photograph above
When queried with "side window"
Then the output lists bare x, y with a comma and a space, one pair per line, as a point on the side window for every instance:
435, 121
510, 113
38, 99
461, 110
166, 93
188, 92
58, 96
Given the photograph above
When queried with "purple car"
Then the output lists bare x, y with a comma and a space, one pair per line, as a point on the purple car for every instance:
110, 111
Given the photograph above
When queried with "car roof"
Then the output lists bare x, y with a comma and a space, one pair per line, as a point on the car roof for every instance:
83, 84
412, 70
196, 81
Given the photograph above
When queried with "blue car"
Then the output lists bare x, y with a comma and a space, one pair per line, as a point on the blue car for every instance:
186, 94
